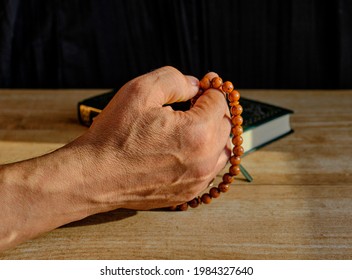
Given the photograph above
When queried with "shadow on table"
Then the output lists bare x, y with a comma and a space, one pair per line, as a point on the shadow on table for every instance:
101, 218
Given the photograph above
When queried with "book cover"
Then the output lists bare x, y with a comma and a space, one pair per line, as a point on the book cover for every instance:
263, 123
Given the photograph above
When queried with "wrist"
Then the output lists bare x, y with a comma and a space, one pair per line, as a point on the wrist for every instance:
41, 194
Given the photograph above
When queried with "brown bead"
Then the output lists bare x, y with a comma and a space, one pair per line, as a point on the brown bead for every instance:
193, 203
216, 82
234, 96
173, 208
238, 140
228, 178
235, 160
227, 87
214, 192
237, 130
223, 187
237, 120
235, 170
236, 110
206, 198
204, 83
234, 103
238, 151
183, 206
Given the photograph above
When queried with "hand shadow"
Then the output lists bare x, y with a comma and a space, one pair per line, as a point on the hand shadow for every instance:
101, 218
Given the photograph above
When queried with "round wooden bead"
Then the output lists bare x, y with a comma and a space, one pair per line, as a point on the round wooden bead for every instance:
235, 160
173, 208
234, 96
206, 198
204, 83
216, 82
237, 130
236, 110
238, 151
214, 192
227, 87
228, 178
223, 187
238, 140
237, 120
235, 170
183, 206
193, 203
234, 103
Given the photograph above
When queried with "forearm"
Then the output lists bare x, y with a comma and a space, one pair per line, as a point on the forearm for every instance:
41, 194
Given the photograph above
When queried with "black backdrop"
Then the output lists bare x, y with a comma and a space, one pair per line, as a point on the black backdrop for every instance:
104, 43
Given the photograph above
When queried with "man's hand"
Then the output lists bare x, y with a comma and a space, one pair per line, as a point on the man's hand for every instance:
150, 156
138, 154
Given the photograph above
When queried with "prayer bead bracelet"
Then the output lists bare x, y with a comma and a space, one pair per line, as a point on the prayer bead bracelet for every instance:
233, 97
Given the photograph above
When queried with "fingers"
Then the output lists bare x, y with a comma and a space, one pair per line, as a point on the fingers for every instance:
224, 157
174, 86
167, 85
211, 75
212, 111
211, 105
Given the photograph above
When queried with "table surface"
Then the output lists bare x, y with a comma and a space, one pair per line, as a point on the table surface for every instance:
299, 205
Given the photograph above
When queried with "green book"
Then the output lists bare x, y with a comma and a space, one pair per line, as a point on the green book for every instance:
263, 123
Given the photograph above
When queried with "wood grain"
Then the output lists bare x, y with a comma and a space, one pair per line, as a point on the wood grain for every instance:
298, 206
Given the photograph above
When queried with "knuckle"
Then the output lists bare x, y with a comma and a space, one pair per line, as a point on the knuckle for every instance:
164, 71
135, 86
167, 74
169, 69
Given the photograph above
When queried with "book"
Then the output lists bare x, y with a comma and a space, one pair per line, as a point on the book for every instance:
263, 123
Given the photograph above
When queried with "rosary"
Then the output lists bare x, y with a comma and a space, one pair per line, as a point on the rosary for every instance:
233, 97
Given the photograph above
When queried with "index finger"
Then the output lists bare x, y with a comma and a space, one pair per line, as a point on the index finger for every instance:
167, 85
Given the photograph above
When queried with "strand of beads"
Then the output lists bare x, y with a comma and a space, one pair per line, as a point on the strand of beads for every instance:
236, 109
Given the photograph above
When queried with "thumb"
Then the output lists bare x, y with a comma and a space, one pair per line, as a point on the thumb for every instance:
168, 85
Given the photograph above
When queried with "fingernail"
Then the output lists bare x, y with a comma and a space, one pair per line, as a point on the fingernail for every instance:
194, 81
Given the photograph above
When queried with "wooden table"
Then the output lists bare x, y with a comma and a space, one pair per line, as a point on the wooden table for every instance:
299, 205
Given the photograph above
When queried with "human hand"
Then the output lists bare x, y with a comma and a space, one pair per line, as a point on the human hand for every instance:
138, 154
144, 155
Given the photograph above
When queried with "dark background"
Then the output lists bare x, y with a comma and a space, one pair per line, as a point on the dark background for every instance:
104, 43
